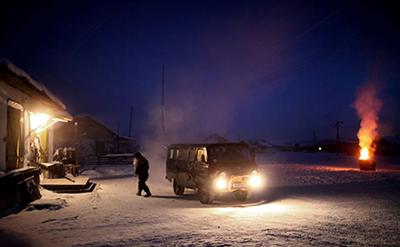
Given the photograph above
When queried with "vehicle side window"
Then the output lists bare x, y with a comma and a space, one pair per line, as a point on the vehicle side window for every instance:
192, 154
171, 154
202, 155
183, 154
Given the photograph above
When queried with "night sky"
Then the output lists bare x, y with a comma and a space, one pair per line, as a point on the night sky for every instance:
270, 69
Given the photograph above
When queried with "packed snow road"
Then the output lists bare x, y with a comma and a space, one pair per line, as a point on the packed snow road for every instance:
310, 200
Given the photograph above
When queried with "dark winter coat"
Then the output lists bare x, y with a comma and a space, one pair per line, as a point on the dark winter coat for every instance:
142, 168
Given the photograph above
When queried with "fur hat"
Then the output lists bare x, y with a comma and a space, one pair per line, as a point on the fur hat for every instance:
137, 155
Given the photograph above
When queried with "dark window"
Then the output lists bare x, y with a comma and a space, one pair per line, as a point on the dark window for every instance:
192, 154
15, 140
183, 154
228, 154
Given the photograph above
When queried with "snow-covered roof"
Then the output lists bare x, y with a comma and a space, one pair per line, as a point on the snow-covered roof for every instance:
39, 86
215, 138
87, 117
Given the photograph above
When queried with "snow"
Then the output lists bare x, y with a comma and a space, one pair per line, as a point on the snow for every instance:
311, 199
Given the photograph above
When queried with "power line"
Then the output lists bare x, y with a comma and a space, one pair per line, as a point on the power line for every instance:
323, 20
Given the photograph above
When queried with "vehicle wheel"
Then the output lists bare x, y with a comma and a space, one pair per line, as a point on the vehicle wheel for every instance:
241, 195
178, 190
205, 196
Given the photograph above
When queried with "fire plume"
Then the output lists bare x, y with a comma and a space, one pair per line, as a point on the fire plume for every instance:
364, 154
367, 106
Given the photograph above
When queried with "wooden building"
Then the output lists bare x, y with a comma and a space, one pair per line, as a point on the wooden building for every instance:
28, 112
93, 140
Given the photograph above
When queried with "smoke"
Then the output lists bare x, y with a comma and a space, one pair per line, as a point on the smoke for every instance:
228, 66
367, 106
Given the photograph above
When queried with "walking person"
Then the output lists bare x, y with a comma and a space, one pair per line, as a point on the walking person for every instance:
142, 171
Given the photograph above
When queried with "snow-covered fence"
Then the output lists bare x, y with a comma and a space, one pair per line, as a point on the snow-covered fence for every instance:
109, 159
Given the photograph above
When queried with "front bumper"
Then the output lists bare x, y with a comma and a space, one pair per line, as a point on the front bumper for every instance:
235, 183
238, 183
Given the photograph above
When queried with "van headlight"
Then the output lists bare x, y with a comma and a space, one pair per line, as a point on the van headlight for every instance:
255, 180
221, 182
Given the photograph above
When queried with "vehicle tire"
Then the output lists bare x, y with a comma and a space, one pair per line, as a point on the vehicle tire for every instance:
205, 196
241, 195
178, 190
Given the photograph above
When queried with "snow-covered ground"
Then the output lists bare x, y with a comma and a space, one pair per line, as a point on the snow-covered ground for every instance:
310, 200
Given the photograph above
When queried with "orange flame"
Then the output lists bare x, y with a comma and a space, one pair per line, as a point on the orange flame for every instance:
364, 154
367, 106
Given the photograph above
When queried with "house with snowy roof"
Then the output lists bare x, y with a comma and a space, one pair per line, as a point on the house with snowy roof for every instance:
215, 138
28, 111
95, 142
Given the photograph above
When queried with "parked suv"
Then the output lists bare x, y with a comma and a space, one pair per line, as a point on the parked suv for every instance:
212, 169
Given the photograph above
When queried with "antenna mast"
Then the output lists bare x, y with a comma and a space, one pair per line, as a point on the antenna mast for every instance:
130, 122
163, 99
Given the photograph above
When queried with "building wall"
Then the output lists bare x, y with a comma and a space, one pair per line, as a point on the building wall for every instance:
86, 128
93, 139
7, 93
3, 131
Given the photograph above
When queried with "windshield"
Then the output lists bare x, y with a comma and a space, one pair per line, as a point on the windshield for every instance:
230, 154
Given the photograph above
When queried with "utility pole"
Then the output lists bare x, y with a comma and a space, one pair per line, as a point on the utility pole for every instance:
338, 125
163, 100
76, 141
130, 123
118, 138
76, 134
314, 138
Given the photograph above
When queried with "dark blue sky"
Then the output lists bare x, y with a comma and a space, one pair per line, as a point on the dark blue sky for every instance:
254, 69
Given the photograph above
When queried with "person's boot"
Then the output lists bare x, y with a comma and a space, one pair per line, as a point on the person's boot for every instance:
147, 195
139, 194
